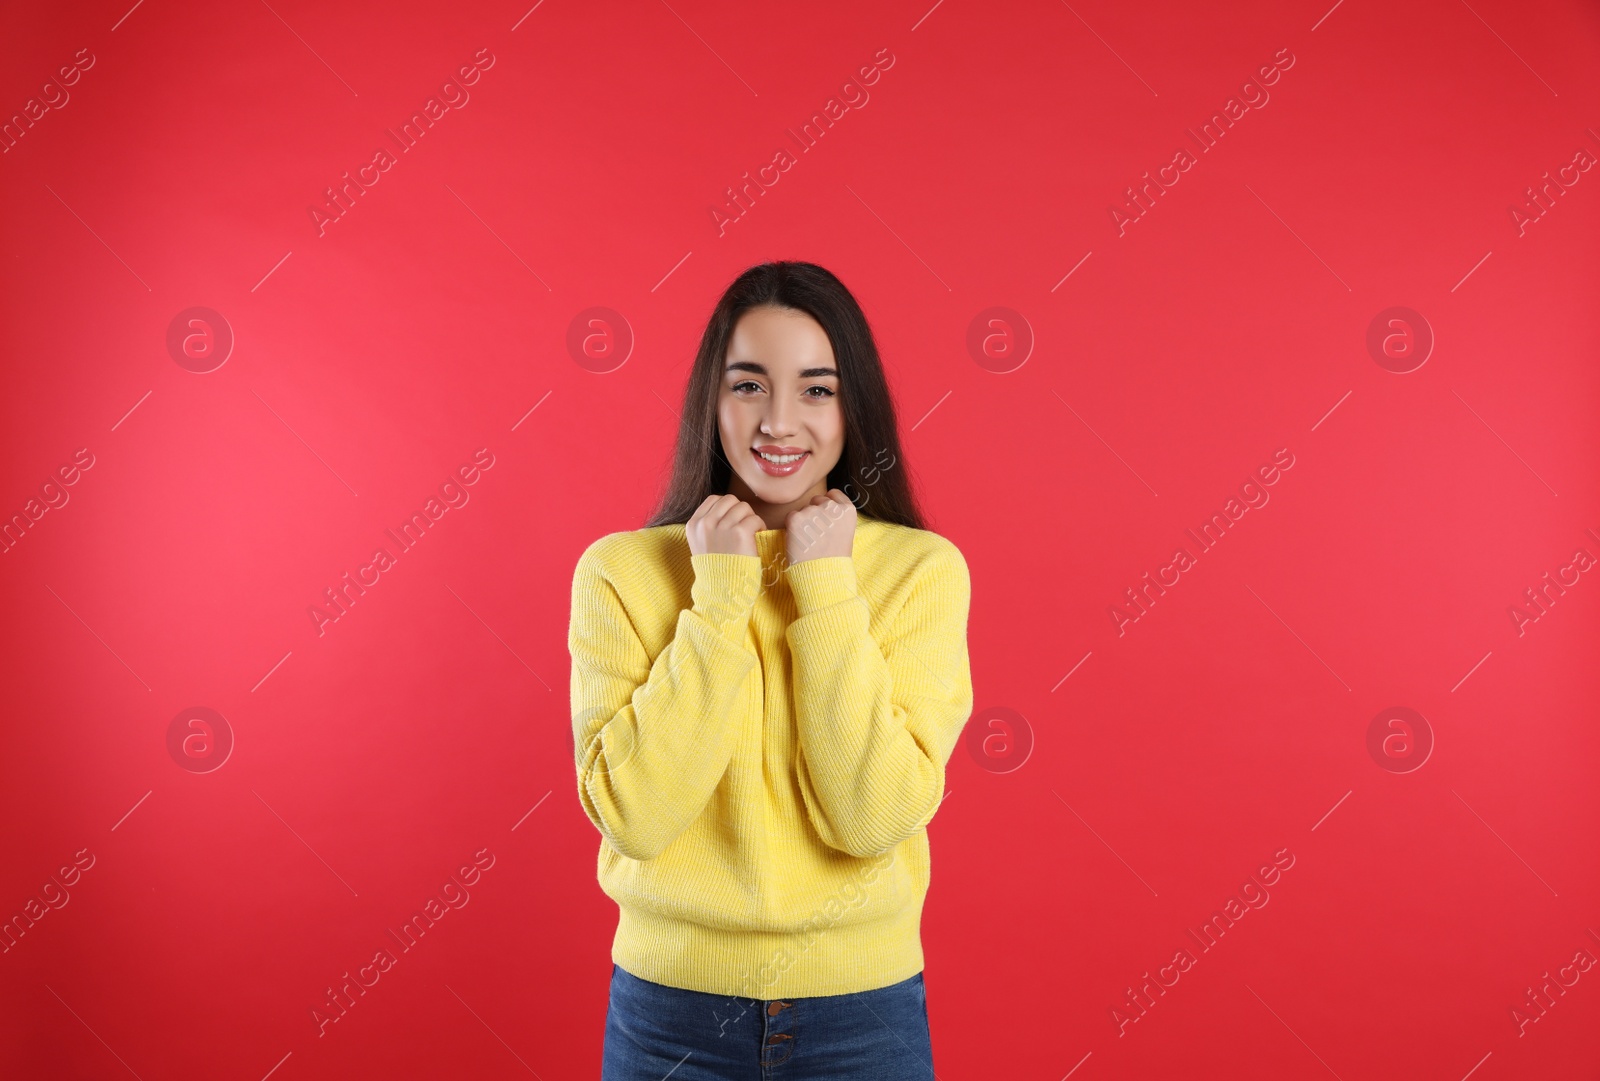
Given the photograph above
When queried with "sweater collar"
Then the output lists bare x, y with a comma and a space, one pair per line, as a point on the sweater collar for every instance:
772, 544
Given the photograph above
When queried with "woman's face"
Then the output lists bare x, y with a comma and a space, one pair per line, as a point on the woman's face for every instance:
779, 394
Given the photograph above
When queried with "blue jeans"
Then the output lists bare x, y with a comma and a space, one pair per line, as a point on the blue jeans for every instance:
653, 1031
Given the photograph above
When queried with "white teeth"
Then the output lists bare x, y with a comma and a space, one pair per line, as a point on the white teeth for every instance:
781, 459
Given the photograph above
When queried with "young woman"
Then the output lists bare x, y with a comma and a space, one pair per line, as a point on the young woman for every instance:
768, 680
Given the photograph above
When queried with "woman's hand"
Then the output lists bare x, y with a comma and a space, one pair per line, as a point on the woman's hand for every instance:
723, 523
824, 527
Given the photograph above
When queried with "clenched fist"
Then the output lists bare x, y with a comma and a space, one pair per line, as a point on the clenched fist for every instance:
723, 523
824, 527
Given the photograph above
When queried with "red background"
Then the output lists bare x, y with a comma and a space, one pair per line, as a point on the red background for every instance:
429, 721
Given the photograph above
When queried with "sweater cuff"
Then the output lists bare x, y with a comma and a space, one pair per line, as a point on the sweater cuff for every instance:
725, 589
821, 582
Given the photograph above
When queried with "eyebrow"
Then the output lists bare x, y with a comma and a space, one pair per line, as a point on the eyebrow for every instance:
761, 369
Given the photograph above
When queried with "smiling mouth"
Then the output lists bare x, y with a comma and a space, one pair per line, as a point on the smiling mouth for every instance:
780, 465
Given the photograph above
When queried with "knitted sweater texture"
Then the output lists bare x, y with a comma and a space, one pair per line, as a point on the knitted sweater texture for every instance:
761, 746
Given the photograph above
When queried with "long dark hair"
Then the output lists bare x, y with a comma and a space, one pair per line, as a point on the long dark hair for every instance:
871, 470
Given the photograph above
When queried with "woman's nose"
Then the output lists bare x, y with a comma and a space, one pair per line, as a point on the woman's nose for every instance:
776, 423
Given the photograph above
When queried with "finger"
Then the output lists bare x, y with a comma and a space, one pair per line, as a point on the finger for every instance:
718, 511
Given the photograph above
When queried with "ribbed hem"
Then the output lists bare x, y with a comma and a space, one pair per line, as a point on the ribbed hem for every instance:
821, 582
768, 964
726, 586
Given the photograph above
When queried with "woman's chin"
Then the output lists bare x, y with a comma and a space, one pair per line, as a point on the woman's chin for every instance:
776, 489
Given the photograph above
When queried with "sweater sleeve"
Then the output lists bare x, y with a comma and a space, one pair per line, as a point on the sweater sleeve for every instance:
652, 738
876, 725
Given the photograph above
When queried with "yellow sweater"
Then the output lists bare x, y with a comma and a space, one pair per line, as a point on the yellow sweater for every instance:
761, 746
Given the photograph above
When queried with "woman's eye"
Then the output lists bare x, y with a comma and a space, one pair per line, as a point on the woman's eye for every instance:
754, 387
